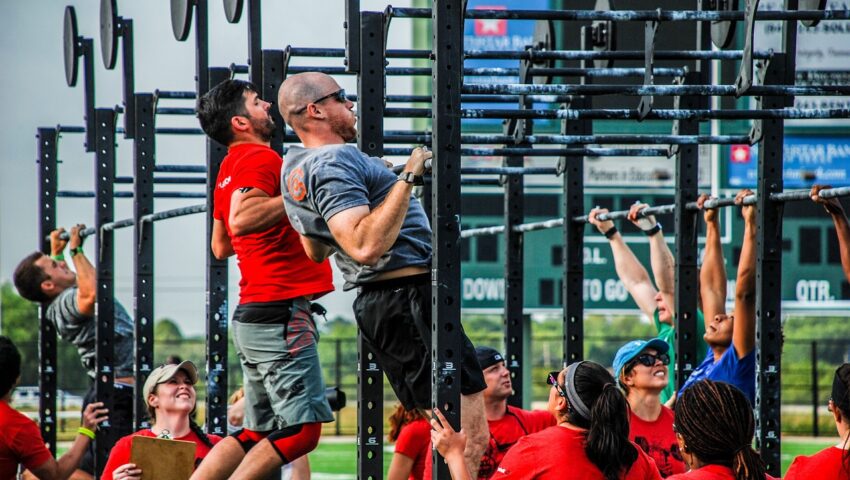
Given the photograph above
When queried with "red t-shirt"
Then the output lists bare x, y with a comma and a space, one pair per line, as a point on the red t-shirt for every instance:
658, 440
506, 431
557, 453
414, 441
711, 472
825, 464
120, 453
273, 263
20, 442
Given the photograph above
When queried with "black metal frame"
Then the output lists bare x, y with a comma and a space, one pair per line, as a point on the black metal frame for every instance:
144, 160
686, 276
447, 78
217, 306
769, 274
48, 139
104, 264
370, 386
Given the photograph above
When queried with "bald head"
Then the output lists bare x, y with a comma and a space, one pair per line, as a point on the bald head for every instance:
299, 90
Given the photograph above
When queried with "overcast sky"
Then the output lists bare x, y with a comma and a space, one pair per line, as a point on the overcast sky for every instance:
35, 95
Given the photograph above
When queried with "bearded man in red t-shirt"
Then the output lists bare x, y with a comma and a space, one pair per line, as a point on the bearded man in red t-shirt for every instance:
273, 328
507, 423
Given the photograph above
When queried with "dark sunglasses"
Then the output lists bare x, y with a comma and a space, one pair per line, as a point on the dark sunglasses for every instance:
339, 95
552, 379
648, 359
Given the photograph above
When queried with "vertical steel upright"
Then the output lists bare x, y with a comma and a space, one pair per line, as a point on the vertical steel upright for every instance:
216, 292
104, 264
272, 77
447, 81
572, 169
769, 269
370, 112
202, 57
255, 41
144, 159
514, 207
352, 36
47, 184
686, 291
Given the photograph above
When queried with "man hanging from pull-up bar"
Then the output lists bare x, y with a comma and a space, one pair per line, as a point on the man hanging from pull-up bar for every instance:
273, 328
69, 299
344, 202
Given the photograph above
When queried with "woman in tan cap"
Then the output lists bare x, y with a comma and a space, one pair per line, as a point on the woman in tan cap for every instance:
169, 393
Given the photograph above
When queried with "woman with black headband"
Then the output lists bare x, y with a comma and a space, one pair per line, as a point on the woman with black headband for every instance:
714, 428
591, 440
832, 462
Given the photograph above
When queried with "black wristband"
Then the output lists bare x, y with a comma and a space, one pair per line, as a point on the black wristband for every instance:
652, 231
610, 233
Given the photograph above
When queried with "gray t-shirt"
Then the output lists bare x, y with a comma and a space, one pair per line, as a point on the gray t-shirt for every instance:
79, 330
321, 182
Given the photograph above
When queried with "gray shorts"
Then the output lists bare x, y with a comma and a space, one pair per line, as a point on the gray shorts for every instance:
276, 345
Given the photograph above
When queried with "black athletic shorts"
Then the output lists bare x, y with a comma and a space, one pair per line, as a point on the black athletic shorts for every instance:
394, 317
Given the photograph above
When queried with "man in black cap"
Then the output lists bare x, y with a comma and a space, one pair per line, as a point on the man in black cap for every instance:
506, 422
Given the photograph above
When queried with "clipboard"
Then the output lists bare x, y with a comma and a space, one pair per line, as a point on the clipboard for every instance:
163, 459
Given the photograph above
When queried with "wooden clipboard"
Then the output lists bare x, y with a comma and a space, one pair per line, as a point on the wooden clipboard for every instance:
163, 459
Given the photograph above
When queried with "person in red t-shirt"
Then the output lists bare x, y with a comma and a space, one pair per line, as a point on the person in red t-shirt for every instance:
169, 394
580, 448
273, 329
507, 423
20, 438
411, 432
832, 462
714, 429
640, 368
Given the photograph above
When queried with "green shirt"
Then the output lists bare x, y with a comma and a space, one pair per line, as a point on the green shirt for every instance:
667, 333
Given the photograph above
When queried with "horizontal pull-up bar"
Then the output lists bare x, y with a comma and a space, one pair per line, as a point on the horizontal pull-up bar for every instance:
654, 90
90, 194
633, 114
552, 54
548, 152
129, 222
425, 138
162, 94
632, 15
166, 180
792, 195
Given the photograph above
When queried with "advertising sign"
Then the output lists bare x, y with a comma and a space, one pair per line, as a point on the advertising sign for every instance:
499, 35
807, 160
823, 54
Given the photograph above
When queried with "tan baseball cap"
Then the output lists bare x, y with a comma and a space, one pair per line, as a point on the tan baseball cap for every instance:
164, 373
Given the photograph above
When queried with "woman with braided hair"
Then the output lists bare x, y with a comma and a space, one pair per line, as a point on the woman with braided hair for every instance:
832, 462
714, 428
591, 439
169, 393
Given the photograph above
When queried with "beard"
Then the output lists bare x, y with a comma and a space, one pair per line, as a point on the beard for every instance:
264, 128
344, 127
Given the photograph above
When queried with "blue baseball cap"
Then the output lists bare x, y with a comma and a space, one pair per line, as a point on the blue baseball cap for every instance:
632, 349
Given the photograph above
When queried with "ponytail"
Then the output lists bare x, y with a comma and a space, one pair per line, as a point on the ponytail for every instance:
747, 464
200, 433
608, 445
595, 403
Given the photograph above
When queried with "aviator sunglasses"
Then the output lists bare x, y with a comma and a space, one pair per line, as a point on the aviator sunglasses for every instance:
339, 95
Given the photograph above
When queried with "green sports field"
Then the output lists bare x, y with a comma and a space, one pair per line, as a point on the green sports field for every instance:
335, 459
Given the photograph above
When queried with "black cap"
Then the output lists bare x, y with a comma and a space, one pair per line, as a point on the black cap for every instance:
488, 357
